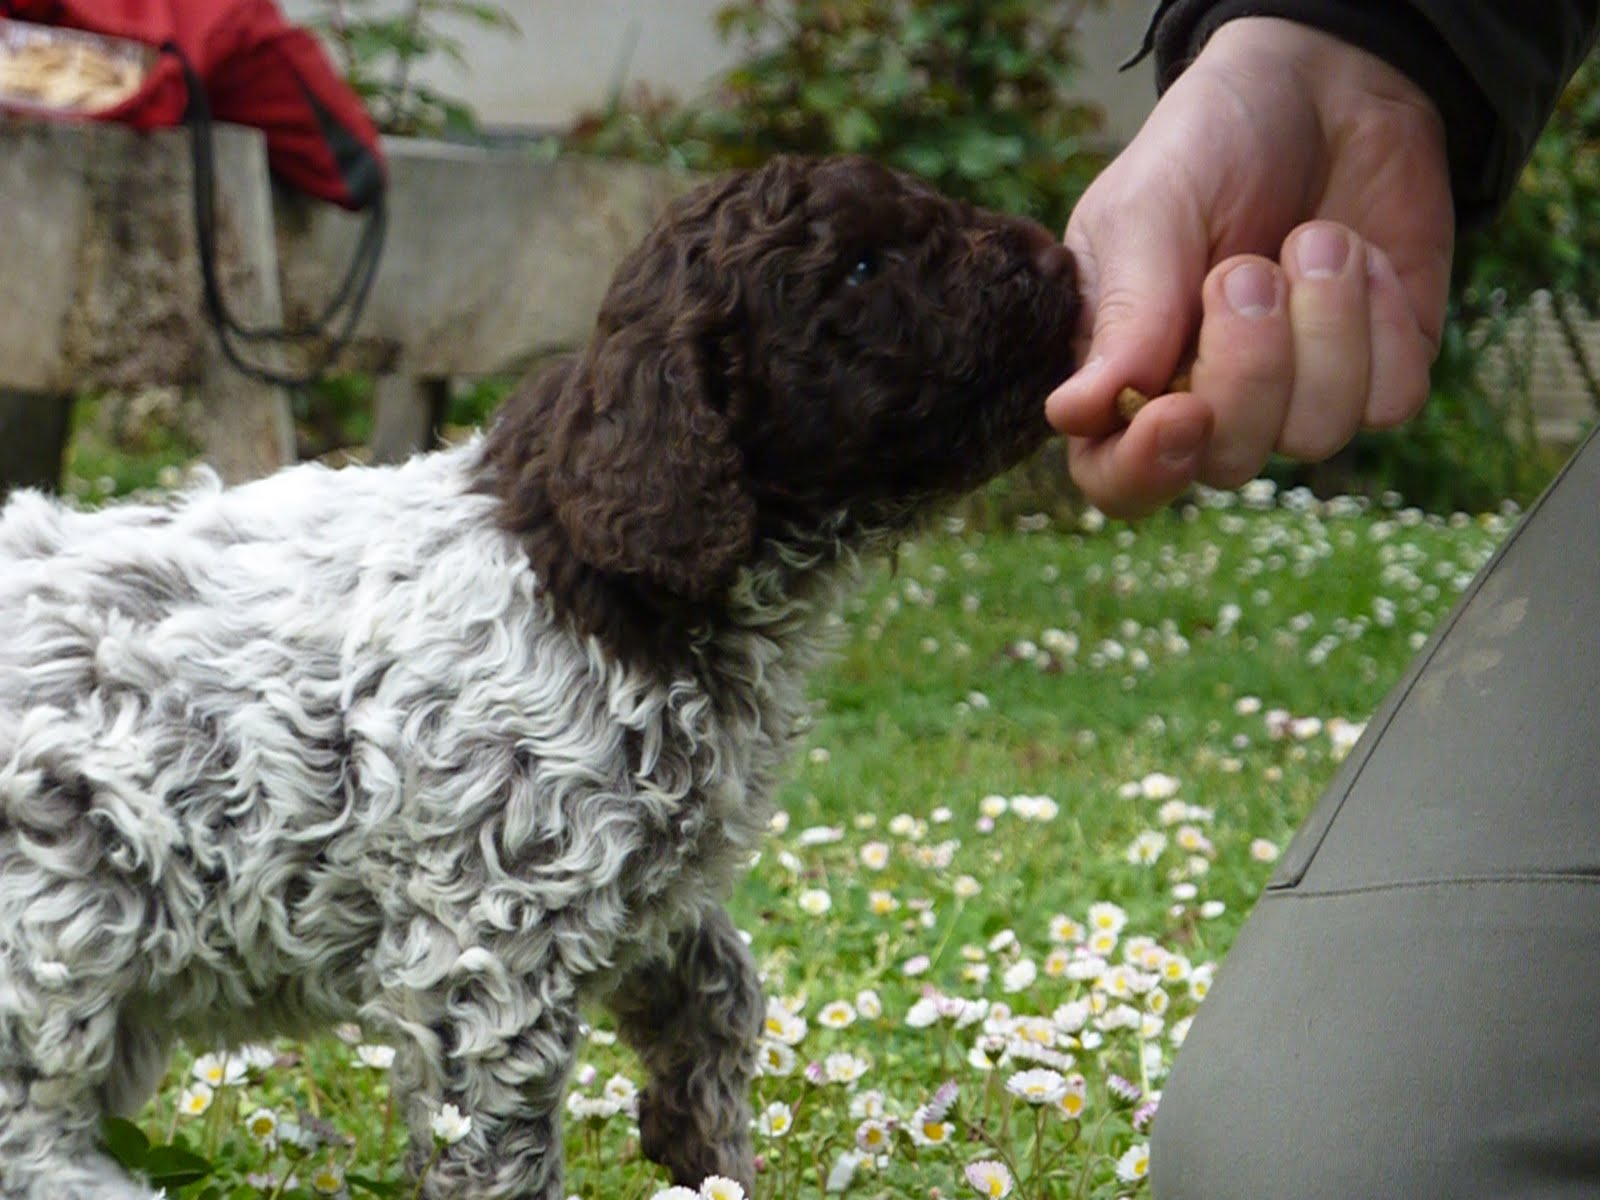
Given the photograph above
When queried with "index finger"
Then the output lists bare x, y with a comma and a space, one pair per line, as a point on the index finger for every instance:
1138, 469
1140, 270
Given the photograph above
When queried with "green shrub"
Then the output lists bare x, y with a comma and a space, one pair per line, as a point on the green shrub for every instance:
379, 46
972, 96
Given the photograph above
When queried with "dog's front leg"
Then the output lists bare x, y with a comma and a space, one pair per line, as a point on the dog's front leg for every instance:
507, 1081
695, 1018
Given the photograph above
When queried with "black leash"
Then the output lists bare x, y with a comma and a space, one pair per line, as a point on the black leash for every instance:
333, 327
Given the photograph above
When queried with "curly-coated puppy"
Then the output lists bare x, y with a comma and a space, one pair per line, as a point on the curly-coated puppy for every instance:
452, 747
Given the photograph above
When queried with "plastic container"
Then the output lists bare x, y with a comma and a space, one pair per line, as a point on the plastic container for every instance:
67, 72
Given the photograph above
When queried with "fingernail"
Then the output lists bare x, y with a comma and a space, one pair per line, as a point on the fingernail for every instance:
1251, 289
1322, 251
1177, 442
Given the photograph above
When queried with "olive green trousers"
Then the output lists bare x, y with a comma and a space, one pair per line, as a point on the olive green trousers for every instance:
1413, 1009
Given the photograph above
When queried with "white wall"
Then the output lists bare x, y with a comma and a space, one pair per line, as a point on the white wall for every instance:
569, 52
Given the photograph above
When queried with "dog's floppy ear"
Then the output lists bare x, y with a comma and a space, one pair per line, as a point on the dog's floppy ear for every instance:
647, 481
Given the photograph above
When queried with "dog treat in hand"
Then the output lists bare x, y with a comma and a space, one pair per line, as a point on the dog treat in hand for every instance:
1130, 399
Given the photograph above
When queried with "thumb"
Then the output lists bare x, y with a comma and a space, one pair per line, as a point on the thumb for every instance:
1141, 267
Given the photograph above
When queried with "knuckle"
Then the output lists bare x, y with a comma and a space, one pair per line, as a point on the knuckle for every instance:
1314, 441
1231, 468
1396, 401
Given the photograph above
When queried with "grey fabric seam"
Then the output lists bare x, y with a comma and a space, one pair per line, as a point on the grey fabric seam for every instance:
1515, 878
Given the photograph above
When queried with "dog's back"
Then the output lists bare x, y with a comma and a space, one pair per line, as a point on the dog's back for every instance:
201, 711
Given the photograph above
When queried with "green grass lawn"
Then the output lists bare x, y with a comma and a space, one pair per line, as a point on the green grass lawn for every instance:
1049, 771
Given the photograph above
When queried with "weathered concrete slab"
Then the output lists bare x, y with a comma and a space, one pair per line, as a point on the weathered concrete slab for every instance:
492, 257
99, 277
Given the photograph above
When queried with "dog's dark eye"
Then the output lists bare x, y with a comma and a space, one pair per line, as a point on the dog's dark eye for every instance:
866, 267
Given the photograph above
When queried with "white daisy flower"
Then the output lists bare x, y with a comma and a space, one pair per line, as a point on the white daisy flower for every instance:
1039, 1085
1065, 931
377, 1057
815, 902
844, 1067
1172, 812
262, 1125
1020, 975
782, 1025
327, 1180
1035, 808
924, 1012
1264, 851
720, 1187
257, 1057
1134, 1164
868, 1104
1192, 840
1146, 848
902, 825
1037, 1031
1074, 1098
873, 1136
927, 1130
875, 856
1159, 786
450, 1125
842, 1173
837, 1015
1105, 917
195, 1099
777, 1119
221, 1070
775, 1058
1071, 1017
591, 1108
1101, 943
989, 1178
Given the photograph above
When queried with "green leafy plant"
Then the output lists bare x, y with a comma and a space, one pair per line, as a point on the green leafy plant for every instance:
378, 48
972, 96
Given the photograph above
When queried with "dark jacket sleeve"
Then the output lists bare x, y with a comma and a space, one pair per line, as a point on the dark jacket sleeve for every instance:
1494, 68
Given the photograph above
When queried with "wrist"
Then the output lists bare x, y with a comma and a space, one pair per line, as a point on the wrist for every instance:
1325, 65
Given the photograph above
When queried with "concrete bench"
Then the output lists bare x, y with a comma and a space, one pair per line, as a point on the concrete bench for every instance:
492, 258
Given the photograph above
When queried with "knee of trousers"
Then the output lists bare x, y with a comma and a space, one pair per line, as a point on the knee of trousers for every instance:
1422, 1041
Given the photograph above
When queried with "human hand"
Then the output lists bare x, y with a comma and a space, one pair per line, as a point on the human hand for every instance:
1289, 197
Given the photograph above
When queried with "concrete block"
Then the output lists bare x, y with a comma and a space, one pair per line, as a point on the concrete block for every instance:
493, 257
99, 276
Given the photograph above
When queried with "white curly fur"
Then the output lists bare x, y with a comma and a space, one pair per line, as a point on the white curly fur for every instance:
315, 749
